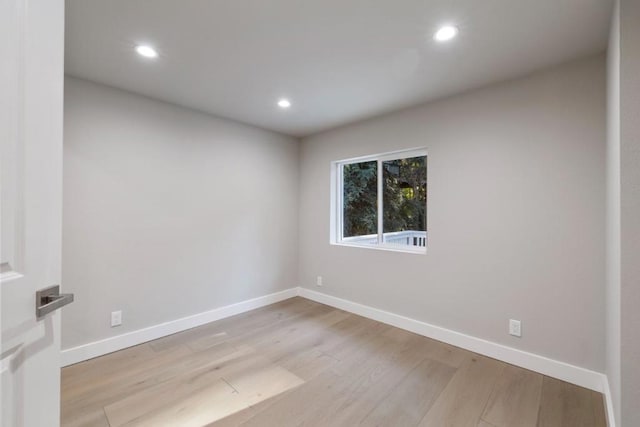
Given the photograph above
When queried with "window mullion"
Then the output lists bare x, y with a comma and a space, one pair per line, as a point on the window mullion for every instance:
380, 219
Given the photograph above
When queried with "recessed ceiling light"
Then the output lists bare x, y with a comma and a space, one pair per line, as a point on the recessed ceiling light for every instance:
445, 33
284, 103
146, 51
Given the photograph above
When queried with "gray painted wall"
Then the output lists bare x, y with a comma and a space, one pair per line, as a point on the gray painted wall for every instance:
516, 214
613, 214
630, 209
623, 211
169, 212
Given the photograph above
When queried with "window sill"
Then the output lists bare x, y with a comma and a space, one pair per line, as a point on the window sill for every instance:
387, 248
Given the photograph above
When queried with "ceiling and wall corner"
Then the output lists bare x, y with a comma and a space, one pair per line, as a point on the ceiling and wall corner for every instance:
336, 61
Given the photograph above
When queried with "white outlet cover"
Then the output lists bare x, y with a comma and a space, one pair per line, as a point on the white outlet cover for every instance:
515, 328
319, 281
116, 318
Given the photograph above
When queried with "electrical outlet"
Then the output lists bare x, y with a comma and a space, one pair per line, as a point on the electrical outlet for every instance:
319, 281
116, 318
515, 328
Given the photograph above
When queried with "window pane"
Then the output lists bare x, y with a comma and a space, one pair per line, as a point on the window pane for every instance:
360, 199
405, 201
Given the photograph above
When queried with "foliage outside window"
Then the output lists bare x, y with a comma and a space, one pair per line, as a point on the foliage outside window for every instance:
382, 201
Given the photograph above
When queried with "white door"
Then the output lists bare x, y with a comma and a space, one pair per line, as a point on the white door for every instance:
31, 90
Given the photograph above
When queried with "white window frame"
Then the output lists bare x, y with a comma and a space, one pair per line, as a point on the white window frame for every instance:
337, 199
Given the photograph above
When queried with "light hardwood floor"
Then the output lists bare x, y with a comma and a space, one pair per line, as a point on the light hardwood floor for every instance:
298, 363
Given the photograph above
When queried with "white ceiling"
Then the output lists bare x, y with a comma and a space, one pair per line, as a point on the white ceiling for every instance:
337, 60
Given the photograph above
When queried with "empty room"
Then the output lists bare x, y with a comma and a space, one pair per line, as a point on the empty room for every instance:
278, 213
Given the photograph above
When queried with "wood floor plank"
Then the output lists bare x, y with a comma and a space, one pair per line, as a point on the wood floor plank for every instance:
89, 397
461, 403
94, 417
186, 337
154, 398
137, 371
204, 336
87, 371
235, 419
207, 404
308, 364
447, 354
364, 389
259, 328
410, 400
298, 362
300, 406
211, 403
170, 364
599, 414
300, 336
254, 386
566, 405
359, 347
145, 373
515, 398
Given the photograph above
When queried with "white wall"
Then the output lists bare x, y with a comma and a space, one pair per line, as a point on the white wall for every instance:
169, 212
516, 218
630, 210
613, 214
623, 211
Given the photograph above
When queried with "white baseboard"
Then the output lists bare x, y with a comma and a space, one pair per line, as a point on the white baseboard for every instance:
553, 368
608, 404
129, 339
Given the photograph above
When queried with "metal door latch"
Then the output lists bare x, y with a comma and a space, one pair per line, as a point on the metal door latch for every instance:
50, 299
